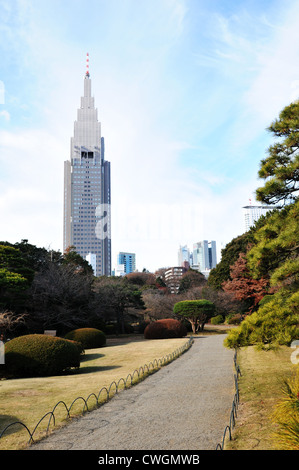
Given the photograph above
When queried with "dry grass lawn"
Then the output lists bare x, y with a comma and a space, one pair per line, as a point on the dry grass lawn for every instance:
27, 400
260, 386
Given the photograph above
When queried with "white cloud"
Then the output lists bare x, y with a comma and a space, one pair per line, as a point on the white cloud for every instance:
31, 181
5, 114
276, 83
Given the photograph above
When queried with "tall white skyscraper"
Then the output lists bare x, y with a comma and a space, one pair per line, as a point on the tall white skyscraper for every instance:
87, 196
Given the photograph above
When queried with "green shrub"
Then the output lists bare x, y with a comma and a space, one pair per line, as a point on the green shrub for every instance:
217, 320
90, 338
39, 355
275, 323
167, 328
78, 345
286, 416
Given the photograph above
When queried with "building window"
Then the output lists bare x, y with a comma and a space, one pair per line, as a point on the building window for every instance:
86, 154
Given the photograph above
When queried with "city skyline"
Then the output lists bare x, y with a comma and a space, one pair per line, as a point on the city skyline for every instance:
202, 256
186, 89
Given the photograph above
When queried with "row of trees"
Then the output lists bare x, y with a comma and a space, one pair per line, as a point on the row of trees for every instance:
42, 289
261, 267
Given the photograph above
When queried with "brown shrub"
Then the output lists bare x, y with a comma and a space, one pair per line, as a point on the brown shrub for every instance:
166, 328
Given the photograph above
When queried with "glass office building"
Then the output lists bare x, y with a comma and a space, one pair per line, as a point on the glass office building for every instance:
204, 255
128, 260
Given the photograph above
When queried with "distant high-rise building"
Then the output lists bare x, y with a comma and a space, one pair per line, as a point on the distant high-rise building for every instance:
173, 277
128, 260
92, 260
204, 255
184, 256
253, 213
119, 270
87, 224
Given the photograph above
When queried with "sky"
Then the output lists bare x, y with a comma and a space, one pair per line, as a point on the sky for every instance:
185, 91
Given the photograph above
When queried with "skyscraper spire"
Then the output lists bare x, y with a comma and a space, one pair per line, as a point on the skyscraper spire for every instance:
87, 188
87, 65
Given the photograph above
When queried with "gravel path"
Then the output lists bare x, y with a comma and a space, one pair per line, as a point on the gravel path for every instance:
185, 405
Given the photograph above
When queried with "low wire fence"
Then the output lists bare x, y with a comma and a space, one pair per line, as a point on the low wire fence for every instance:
233, 414
98, 399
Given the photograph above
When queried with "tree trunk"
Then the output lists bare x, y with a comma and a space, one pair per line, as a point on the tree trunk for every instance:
193, 325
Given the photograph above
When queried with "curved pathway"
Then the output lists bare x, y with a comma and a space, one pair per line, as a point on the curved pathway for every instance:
185, 405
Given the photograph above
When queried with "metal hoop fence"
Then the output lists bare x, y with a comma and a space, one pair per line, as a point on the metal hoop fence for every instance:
104, 394
233, 414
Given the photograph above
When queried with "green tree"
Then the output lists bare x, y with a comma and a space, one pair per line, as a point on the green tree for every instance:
281, 168
275, 253
16, 277
197, 312
276, 248
71, 257
113, 297
274, 324
13, 260
37, 257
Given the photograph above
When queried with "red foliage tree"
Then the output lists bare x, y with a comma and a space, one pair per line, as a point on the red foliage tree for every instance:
243, 286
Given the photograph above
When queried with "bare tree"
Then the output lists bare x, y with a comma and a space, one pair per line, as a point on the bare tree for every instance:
61, 296
158, 304
9, 321
225, 302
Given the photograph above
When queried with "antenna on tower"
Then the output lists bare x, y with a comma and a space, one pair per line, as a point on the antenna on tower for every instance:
87, 65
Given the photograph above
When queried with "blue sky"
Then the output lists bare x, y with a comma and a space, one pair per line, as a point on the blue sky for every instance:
185, 90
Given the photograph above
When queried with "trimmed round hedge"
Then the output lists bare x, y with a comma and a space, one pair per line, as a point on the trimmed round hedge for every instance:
166, 328
90, 338
38, 355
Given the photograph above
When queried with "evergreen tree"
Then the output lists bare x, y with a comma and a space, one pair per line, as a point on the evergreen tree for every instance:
281, 168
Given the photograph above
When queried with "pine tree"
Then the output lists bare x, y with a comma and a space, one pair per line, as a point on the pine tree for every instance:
281, 168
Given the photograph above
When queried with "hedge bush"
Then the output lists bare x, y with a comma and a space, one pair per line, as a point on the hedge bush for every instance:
38, 355
166, 328
90, 338
217, 320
